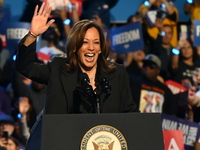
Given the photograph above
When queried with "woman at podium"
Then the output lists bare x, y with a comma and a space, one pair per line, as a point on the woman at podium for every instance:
83, 82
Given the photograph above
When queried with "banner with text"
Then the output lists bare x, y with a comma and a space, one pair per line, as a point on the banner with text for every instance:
173, 139
127, 38
67, 4
191, 130
196, 33
14, 32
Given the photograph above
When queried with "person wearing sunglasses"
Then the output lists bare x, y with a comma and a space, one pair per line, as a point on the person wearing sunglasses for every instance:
151, 95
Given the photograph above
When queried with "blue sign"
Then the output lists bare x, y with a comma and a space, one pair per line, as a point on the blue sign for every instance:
127, 38
5, 16
14, 32
191, 130
196, 33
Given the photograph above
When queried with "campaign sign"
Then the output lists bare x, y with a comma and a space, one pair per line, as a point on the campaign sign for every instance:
14, 32
190, 129
127, 38
151, 17
197, 32
5, 16
173, 139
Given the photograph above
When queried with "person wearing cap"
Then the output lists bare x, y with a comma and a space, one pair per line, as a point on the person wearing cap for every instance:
6, 129
8, 124
151, 95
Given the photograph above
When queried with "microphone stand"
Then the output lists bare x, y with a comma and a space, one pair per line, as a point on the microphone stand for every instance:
104, 87
97, 97
94, 95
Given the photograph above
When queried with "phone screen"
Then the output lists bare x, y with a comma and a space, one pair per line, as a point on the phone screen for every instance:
5, 135
183, 32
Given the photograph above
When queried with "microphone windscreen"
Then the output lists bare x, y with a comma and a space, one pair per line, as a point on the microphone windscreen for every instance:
83, 76
84, 82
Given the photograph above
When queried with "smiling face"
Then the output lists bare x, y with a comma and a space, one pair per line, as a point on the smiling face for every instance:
89, 51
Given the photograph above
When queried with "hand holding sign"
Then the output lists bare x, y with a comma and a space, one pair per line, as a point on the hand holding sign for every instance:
159, 24
197, 145
181, 44
39, 22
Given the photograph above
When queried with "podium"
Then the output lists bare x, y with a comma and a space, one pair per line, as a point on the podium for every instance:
132, 131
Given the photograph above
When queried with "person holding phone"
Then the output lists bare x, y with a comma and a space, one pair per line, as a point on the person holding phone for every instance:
160, 9
8, 128
183, 62
9, 143
3, 140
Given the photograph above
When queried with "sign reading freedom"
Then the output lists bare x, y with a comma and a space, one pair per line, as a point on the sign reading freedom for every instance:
14, 32
127, 38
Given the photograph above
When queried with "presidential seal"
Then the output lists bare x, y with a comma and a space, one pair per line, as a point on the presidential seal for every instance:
103, 137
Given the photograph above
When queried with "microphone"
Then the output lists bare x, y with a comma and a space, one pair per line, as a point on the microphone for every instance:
84, 81
105, 86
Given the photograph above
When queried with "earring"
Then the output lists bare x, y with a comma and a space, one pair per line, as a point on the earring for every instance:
99, 52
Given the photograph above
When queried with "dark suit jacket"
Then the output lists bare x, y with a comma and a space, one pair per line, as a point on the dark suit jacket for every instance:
61, 84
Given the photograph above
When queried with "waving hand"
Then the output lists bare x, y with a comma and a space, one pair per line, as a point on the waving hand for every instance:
39, 22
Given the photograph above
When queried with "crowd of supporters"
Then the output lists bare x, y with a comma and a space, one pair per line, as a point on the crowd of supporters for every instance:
169, 54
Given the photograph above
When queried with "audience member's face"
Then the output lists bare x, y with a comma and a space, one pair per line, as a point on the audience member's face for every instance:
150, 70
89, 52
7, 127
187, 50
11, 145
196, 76
168, 35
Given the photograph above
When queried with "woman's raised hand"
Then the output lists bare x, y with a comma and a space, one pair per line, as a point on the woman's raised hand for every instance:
39, 22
